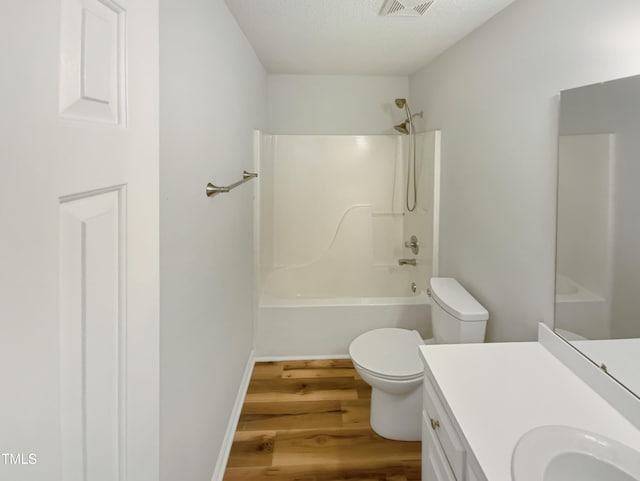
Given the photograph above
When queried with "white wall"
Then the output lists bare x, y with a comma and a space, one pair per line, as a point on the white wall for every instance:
213, 93
329, 104
495, 97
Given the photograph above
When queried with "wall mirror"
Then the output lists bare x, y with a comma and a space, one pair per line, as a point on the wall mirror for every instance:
597, 302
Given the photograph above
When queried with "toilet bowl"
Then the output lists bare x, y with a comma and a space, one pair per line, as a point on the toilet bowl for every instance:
388, 360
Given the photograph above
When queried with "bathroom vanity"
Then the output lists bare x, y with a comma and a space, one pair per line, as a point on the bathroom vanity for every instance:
480, 399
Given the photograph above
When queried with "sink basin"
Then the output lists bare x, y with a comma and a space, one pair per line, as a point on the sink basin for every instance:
563, 453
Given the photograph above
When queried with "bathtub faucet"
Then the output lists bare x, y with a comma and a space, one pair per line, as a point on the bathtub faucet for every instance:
407, 262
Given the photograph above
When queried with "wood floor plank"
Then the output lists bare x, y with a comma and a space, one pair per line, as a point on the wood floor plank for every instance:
321, 472
290, 415
267, 370
356, 413
318, 368
252, 449
338, 445
413, 469
363, 389
314, 373
287, 390
318, 364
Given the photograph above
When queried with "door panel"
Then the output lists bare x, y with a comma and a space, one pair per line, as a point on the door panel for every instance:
79, 250
92, 328
92, 64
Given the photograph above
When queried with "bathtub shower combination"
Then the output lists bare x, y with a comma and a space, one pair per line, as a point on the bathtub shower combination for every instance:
331, 226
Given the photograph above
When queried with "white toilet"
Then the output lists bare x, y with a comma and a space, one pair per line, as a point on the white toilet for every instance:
388, 360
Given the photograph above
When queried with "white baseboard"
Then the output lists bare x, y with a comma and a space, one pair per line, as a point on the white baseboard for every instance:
223, 455
318, 357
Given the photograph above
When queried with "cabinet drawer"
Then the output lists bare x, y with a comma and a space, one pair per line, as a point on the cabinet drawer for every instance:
441, 426
434, 463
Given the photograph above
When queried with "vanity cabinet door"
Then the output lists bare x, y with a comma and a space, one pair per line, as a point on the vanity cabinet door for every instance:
442, 428
471, 476
434, 463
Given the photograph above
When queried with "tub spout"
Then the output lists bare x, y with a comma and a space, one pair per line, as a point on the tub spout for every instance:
407, 262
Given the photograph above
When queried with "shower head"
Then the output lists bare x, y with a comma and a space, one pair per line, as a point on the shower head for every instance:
406, 127
403, 127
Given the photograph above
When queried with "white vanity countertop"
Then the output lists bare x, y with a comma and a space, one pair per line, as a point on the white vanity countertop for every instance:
497, 392
621, 356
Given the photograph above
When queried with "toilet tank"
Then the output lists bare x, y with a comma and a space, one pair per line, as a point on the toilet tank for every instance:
457, 317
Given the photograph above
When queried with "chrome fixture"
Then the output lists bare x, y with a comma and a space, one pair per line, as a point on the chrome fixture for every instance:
414, 287
407, 128
213, 190
435, 424
406, 262
400, 103
413, 244
402, 128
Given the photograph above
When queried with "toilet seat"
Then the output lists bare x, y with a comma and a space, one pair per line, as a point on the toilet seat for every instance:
390, 378
389, 353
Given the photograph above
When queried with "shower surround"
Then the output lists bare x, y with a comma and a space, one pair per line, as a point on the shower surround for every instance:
331, 223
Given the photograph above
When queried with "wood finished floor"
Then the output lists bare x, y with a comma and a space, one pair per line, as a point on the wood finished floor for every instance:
309, 421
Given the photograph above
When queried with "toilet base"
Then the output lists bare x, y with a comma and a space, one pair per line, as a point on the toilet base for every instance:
397, 417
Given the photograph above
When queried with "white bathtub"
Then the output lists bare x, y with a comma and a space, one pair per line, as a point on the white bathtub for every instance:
325, 326
579, 310
340, 281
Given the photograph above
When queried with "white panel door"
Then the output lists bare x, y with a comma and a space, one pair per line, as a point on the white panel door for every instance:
79, 240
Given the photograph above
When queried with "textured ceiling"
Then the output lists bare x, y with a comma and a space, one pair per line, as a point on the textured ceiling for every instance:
348, 36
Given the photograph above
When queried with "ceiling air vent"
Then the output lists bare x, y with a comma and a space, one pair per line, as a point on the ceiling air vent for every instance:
404, 8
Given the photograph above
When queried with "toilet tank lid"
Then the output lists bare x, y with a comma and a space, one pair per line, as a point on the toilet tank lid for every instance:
455, 299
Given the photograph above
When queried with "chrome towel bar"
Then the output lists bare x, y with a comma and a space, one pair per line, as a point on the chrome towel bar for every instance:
213, 190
